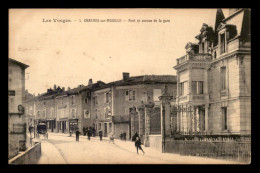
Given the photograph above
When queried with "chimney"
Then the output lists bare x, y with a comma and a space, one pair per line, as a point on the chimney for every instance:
90, 82
125, 76
63, 88
54, 87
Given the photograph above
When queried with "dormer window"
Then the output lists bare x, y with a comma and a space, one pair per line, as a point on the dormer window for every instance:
222, 43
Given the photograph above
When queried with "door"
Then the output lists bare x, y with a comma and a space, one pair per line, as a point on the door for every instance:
63, 126
105, 130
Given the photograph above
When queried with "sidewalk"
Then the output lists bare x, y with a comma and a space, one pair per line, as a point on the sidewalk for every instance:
152, 153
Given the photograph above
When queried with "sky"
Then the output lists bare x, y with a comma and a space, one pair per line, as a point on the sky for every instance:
69, 54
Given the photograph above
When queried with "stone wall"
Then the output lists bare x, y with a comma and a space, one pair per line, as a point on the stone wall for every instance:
155, 142
30, 156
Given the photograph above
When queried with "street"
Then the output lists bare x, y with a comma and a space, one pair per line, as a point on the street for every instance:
63, 149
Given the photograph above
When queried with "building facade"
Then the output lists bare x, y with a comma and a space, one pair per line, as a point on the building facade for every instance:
113, 103
214, 78
16, 99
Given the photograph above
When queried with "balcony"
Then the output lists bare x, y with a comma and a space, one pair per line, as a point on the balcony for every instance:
197, 57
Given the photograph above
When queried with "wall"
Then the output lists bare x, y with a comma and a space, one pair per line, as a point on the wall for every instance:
15, 82
155, 142
13, 144
31, 156
86, 122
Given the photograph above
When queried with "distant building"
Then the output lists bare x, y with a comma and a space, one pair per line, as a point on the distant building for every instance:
16, 98
214, 77
113, 102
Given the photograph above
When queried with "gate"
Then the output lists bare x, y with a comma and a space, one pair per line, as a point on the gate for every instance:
155, 121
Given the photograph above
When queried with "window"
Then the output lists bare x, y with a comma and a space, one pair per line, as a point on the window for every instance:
38, 113
99, 126
156, 94
202, 47
215, 54
44, 114
86, 100
222, 43
144, 97
107, 97
223, 78
224, 115
126, 95
200, 87
130, 110
95, 102
194, 87
73, 113
72, 100
31, 111
183, 88
52, 112
197, 87
132, 95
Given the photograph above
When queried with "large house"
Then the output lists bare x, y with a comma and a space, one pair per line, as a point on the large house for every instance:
214, 77
16, 98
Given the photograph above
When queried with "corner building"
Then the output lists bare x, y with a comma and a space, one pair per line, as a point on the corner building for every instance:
214, 77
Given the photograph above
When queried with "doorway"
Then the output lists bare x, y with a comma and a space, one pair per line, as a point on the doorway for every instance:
105, 130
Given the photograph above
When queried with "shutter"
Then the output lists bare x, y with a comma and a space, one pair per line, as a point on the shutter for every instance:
104, 97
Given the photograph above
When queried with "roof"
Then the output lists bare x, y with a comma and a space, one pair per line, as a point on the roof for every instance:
145, 79
18, 63
240, 19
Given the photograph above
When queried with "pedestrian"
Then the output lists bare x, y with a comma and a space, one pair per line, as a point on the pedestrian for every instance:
77, 135
124, 135
84, 131
93, 132
134, 137
89, 134
138, 145
30, 130
100, 135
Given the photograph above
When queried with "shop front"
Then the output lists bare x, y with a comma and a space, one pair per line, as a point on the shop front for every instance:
62, 125
73, 125
51, 124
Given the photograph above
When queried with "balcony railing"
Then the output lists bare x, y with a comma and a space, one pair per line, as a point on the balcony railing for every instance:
196, 57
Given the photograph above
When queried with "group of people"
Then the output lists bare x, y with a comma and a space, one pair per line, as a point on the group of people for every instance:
89, 131
136, 138
123, 136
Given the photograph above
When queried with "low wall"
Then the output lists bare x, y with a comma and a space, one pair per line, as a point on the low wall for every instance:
226, 150
30, 156
155, 142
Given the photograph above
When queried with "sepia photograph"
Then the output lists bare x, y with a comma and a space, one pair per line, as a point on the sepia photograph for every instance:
129, 86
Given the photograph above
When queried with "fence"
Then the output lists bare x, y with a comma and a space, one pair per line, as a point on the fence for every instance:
235, 150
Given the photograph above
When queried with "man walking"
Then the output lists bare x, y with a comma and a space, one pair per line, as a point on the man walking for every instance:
77, 135
138, 145
100, 135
